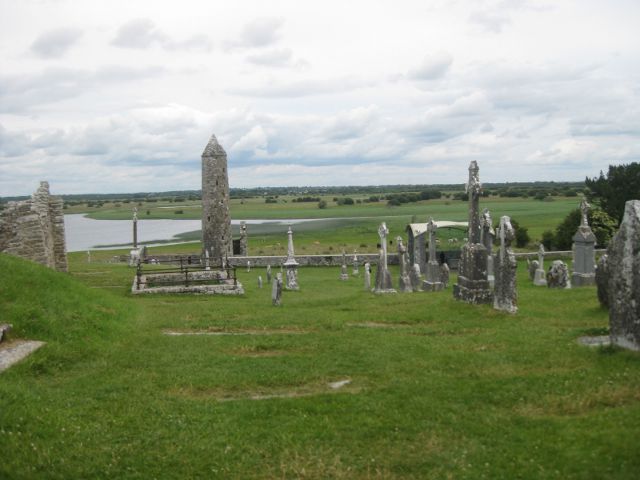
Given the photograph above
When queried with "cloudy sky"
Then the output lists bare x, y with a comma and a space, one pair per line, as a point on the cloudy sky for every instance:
122, 96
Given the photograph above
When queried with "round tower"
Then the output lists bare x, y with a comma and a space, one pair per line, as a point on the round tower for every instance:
216, 221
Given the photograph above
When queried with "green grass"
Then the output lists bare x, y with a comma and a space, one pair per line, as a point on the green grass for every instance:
453, 391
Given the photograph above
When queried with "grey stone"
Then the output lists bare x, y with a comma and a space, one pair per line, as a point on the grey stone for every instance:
269, 274
487, 234
34, 229
259, 281
344, 275
367, 277
505, 297
4, 329
248, 266
473, 283
276, 290
135, 227
216, 221
602, 280
624, 280
244, 244
433, 275
444, 275
16, 352
356, 270
558, 275
383, 276
584, 251
532, 266
404, 282
290, 264
540, 277
416, 278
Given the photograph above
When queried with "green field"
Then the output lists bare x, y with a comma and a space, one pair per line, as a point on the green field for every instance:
439, 389
349, 227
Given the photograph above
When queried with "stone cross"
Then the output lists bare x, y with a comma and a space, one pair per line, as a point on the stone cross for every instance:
487, 233
541, 256
432, 281
474, 188
431, 229
404, 282
291, 264
584, 210
290, 253
539, 277
355, 264
505, 295
383, 231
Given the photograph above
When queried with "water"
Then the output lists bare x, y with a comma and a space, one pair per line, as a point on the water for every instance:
84, 233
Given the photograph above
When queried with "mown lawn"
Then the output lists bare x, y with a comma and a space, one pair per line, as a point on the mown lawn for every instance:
439, 389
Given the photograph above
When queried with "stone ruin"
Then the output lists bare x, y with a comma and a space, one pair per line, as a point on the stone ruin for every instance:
623, 262
505, 295
473, 283
584, 251
34, 229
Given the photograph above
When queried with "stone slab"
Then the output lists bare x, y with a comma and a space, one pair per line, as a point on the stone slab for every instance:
14, 352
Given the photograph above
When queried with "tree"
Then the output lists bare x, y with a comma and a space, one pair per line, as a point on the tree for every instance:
610, 192
322, 204
522, 234
602, 225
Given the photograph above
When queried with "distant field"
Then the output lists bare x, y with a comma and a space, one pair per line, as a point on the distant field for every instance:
355, 226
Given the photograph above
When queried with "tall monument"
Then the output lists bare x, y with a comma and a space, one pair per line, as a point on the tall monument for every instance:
216, 221
473, 283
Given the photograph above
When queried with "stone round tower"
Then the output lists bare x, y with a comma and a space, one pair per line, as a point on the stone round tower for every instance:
216, 221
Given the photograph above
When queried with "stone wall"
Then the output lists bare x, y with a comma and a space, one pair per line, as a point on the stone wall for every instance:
34, 229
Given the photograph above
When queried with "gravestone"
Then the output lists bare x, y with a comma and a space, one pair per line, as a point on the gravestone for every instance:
444, 274
624, 279
259, 281
416, 278
532, 266
584, 251
269, 274
558, 275
276, 290
404, 282
473, 283
540, 277
505, 296
343, 267
248, 266
244, 246
383, 276
487, 235
355, 270
433, 275
602, 280
291, 264
88, 256
367, 276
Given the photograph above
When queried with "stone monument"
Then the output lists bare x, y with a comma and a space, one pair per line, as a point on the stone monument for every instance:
404, 282
356, 270
276, 290
433, 281
444, 274
473, 283
602, 280
416, 278
216, 221
259, 281
505, 296
367, 276
540, 278
584, 251
558, 275
624, 279
343, 268
268, 273
487, 234
33, 229
383, 276
532, 266
244, 247
291, 264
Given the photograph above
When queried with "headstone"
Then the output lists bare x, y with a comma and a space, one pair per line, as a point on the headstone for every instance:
433, 281
88, 256
4, 329
216, 220
367, 277
356, 266
584, 251
404, 282
248, 266
259, 281
416, 278
343, 268
602, 280
383, 276
558, 275
291, 264
473, 283
134, 257
244, 247
444, 274
532, 266
624, 279
486, 237
505, 296
276, 290
540, 277
269, 274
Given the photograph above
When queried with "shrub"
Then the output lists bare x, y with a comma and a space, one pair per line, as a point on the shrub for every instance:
322, 204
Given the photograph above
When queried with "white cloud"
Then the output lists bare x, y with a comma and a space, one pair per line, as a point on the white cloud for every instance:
258, 33
433, 66
142, 33
55, 43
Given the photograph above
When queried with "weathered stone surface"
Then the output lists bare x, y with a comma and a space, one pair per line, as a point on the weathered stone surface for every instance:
444, 275
269, 274
210, 282
505, 297
624, 280
558, 275
602, 280
34, 229
404, 282
416, 278
276, 290
532, 266
367, 277
259, 281
383, 276
487, 234
16, 352
4, 329
244, 240
473, 282
216, 220
290, 263
356, 270
344, 275
432, 281
540, 277
584, 251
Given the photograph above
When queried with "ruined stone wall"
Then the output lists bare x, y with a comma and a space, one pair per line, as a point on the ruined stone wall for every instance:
34, 229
